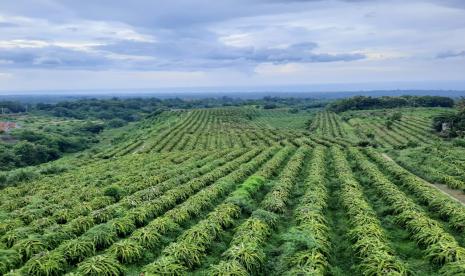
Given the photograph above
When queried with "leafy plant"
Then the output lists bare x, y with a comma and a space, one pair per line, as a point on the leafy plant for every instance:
248, 255
30, 246
114, 192
8, 260
45, 264
100, 265
228, 268
102, 235
77, 250
147, 237
165, 266
122, 226
126, 251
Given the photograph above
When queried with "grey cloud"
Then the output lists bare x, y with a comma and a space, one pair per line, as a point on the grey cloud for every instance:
181, 55
7, 25
450, 54
51, 57
193, 53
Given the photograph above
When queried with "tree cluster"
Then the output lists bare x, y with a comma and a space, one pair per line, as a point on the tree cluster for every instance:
363, 102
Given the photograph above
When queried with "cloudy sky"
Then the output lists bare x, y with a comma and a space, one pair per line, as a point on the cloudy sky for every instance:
319, 44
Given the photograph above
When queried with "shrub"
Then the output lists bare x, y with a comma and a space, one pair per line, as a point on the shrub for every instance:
270, 106
122, 226
54, 237
102, 235
146, 237
269, 218
30, 246
100, 265
80, 224
53, 169
113, 191
77, 250
20, 175
165, 266
127, 251
12, 236
115, 123
459, 142
229, 268
247, 254
45, 263
8, 260
185, 252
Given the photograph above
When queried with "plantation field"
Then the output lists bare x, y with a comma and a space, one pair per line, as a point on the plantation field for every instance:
247, 191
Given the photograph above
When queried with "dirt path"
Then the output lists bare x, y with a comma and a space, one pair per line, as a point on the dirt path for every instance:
456, 195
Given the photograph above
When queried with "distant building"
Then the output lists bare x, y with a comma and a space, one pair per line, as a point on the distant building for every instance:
7, 126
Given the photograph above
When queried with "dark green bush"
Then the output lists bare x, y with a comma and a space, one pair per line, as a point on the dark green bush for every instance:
114, 191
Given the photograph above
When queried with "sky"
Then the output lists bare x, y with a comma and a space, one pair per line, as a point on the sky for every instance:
48, 45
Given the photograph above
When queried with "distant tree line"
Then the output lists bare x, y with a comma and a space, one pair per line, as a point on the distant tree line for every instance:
107, 109
363, 102
11, 107
133, 109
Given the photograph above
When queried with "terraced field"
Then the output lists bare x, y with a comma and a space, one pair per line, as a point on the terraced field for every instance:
241, 191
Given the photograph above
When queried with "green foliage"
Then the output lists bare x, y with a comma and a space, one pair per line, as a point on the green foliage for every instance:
100, 265
122, 226
454, 268
12, 106
451, 124
248, 255
8, 260
165, 266
197, 196
115, 123
228, 268
126, 251
363, 102
185, 252
147, 237
45, 264
77, 250
102, 235
30, 246
113, 191
11, 237
80, 224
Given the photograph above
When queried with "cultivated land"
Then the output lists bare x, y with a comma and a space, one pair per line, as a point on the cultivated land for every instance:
247, 191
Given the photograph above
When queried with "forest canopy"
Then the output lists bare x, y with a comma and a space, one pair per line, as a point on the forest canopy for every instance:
364, 102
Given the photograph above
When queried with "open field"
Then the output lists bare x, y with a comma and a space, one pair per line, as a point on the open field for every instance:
247, 191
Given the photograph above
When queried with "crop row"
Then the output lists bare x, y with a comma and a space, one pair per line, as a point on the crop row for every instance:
115, 221
77, 223
438, 202
369, 239
246, 251
311, 258
56, 211
192, 245
441, 248
131, 248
